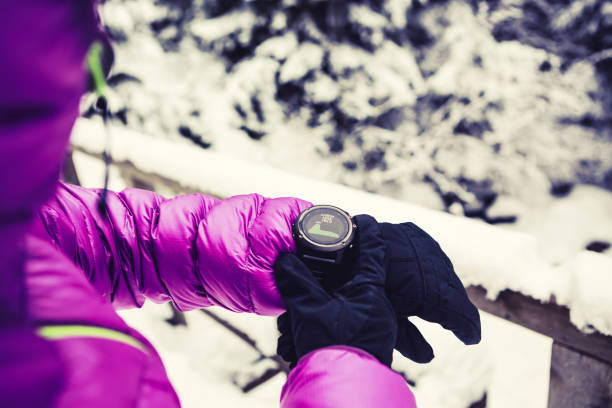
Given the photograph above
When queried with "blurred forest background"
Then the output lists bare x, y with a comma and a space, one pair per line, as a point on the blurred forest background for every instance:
481, 108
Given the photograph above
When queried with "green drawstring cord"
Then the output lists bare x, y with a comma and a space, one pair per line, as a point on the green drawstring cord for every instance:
61, 332
94, 63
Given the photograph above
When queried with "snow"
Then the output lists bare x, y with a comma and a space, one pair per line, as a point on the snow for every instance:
397, 10
306, 58
202, 360
278, 47
589, 303
91, 172
212, 29
567, 225
495, 258
322, 89
511, 363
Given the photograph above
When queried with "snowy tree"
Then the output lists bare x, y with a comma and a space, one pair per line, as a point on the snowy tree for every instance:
478, 100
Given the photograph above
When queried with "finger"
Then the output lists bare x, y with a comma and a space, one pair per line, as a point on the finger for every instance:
453, 309
285, 346
297, 285
283, 323
371, 249
461, 316
446, 301
411, 343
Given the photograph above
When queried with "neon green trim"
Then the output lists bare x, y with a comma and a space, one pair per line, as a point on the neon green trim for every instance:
316, 230
94, 63
64, 332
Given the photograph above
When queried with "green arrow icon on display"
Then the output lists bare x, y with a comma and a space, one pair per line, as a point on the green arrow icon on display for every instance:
316, 230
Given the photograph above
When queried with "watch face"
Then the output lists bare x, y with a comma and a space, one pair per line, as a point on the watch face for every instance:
326, 225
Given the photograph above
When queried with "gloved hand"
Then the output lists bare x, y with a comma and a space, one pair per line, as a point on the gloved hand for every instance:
357, 314
421, 282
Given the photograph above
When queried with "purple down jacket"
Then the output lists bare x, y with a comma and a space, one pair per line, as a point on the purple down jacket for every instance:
64, 267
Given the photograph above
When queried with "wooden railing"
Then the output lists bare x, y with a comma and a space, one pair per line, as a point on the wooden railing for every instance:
581, 363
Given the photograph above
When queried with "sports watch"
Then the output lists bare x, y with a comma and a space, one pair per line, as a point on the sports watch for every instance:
322, 235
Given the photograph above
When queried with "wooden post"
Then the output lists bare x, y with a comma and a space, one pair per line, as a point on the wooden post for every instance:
69, 173
578, 381
581, 364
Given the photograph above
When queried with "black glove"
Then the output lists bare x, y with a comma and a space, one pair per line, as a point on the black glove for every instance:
357, 314
421, 282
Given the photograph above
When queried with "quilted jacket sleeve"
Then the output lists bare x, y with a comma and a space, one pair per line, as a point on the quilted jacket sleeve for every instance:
194, 250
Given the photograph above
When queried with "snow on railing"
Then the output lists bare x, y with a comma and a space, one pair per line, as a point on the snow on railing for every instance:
483, 255
504, 271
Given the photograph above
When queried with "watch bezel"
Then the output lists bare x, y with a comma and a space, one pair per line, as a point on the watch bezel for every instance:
301, 237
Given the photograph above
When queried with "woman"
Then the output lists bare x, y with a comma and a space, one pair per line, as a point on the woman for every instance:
65, 265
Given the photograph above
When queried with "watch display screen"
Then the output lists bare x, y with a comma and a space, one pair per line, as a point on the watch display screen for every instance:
325, 226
